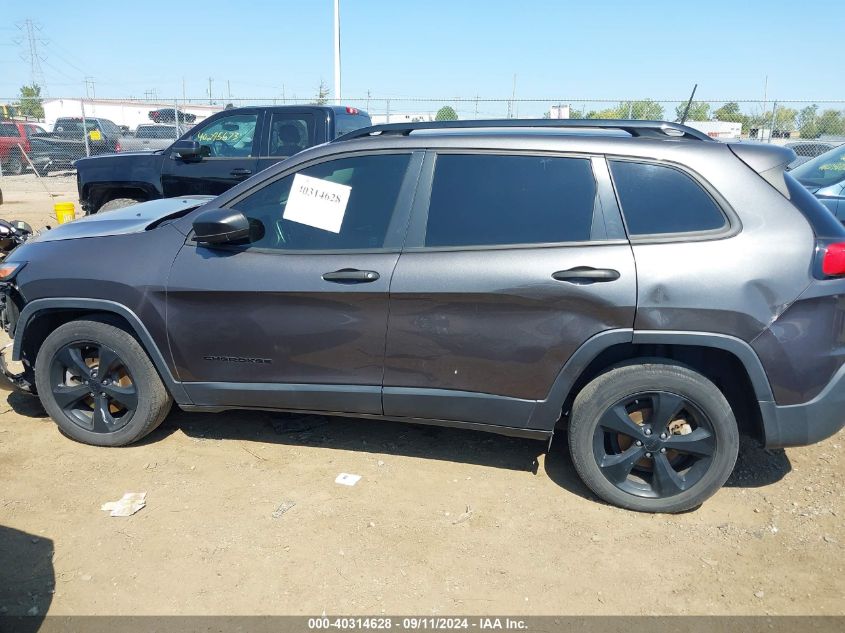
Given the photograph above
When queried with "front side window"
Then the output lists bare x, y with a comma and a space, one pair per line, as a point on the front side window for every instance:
8, 129
340, 204
230, 136
485, 199
658, 199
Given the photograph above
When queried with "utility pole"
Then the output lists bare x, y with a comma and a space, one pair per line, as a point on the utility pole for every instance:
513, 97
210, 99
184, 97
89, 81
476, 106
229, 91
31, 55
337, 96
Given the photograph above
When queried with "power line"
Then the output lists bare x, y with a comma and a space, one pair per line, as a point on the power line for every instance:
31, 55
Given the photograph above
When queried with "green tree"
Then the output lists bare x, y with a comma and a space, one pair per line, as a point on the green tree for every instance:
832, 122
785, 121
808, 124
644, 109
446, 113
731, 112
322, 97
30, 103
698, 111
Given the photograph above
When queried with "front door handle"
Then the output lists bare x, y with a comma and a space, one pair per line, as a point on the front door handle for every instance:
586, 275
351, 276
240, 172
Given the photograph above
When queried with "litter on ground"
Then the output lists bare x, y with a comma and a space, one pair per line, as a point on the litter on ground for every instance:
127, 505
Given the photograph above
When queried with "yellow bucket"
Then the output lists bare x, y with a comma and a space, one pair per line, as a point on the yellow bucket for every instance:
64, 212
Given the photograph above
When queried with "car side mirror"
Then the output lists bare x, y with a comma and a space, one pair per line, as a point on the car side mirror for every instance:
220, 226
187, 149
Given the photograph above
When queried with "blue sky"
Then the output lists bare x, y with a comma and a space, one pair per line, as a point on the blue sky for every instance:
441, 49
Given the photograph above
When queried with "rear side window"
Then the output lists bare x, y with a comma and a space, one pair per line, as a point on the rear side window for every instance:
484, 200
657, 199
8, 129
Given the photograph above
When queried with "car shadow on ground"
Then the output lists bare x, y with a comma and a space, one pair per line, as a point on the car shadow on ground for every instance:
756, 466
357, 434
27, 579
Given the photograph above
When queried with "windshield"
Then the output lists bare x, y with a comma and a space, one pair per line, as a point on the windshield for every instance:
823, 171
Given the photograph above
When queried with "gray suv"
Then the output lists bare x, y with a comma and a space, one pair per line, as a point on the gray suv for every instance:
641, 288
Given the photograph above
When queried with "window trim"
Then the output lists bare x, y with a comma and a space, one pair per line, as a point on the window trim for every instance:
732, 226
602, 213
397, 228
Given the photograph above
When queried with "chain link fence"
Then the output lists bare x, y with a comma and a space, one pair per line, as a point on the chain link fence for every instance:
37, 154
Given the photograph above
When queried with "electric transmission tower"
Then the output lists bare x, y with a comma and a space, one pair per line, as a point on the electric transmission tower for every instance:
30, 53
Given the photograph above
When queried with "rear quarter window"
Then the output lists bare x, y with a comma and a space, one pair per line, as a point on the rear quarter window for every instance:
663, 200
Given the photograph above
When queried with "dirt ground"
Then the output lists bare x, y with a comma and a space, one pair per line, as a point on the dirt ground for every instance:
442, 521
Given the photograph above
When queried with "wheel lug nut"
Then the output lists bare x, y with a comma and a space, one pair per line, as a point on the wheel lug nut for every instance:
103, 394
648, 454
648, 431
662, 436
639, 443
662, 450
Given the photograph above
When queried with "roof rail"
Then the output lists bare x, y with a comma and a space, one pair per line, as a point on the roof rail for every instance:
648, 129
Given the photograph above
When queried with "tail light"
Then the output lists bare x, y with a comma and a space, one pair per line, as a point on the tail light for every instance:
833, 261
351, 110
117, 147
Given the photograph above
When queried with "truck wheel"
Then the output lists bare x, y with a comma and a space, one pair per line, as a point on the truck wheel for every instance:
14, 165
117, 203
98, 384
653, 437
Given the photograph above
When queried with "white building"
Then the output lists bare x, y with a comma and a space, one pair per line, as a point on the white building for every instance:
717, 129
401, 117
559, 112
128, 113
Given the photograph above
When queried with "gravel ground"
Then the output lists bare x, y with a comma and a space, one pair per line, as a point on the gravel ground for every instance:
243, 516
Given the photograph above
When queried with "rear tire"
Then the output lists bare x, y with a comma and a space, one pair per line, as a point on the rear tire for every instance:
98, 384
117, 203
653, 437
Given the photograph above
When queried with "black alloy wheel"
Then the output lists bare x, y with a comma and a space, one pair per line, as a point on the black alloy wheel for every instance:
93, 387
654, 444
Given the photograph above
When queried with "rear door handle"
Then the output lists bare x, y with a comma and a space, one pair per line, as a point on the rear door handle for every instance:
351, 276
240, 172
586, 275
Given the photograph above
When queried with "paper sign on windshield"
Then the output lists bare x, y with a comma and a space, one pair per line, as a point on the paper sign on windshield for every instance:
317, 203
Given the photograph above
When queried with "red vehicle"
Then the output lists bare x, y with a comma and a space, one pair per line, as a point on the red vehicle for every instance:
12, 135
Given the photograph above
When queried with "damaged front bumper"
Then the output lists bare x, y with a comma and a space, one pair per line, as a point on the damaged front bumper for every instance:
10, 380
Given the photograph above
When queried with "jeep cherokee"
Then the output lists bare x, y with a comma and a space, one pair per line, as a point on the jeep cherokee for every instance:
648, 290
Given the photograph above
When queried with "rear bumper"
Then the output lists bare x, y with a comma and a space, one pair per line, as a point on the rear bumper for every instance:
808, 422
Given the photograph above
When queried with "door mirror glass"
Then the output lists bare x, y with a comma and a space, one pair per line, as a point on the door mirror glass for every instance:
187, 149
220, 226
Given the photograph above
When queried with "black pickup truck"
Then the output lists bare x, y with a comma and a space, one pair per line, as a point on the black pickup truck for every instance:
59, 149
213, 156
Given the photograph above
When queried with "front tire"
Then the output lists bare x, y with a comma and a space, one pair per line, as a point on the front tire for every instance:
117, 203
653, 437
98, 384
